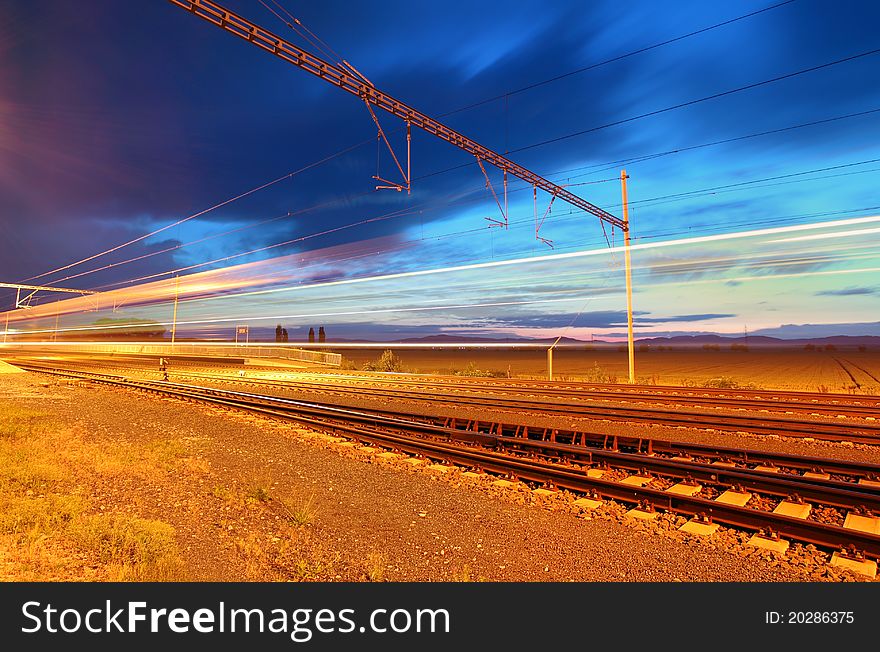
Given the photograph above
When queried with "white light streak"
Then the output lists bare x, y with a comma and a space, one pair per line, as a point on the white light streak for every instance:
570, 255
347, 313
822, 236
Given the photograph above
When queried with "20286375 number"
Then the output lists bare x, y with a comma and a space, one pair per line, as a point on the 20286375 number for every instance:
820, 617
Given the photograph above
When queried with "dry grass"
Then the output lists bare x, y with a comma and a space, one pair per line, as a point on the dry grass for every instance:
374, 566
132, 549
300, 511
462, 574
295, 554
48, 528
258, 492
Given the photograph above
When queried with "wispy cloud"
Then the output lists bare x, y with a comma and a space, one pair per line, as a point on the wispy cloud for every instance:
848, 292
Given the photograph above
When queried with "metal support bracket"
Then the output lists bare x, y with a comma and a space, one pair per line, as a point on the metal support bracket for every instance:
407, 178
23, 301
502, 223
538, 224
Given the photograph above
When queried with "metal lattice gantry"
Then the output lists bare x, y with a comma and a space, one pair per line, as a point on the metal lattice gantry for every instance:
31, 291
350, 80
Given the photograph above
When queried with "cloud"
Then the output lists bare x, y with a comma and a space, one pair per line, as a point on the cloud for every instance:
112, 124
595, 319
795, 331
848, 292
685, 318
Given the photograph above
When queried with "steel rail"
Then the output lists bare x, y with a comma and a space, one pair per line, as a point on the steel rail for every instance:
854, 411
783, 397
755, 405
763, 399
531, 470
862, 433
584, 440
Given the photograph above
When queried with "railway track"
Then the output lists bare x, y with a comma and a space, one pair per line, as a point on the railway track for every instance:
753, 399
766, 398
834, 504
866, 410
865, 431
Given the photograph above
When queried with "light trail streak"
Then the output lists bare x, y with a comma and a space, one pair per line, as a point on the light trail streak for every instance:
822, 236
304, 345
230, 279
770, 277
347, 313
572, 255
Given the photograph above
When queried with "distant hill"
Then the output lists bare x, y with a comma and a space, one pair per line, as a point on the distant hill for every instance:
454, 339
763, 340
847, 341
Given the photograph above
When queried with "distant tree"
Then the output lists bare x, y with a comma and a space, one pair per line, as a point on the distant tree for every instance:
283, 334
278, 333
311, 336
322, 337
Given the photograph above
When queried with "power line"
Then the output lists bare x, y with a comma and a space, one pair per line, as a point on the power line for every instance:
702, 99
746, 183
562, 137
403, 212
667, 109
595, 168
195, 215
617, 58
379, 218
601, 167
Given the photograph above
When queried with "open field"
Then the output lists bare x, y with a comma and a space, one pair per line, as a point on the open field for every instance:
52, 528
840, 371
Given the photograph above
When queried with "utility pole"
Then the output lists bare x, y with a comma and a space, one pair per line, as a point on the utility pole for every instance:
550, 363
6, 331
174, 318
629, 293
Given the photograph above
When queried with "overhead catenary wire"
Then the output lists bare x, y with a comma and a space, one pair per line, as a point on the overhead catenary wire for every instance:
594, 168
667, 109
408, 211
626, 55
514, 222
781, 219
297, 26
706, 98
195, 215
601, 167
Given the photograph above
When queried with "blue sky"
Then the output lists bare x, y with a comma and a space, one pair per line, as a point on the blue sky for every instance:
138, 114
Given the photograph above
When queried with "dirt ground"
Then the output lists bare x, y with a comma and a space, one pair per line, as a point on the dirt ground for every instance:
814, 370
118, 484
